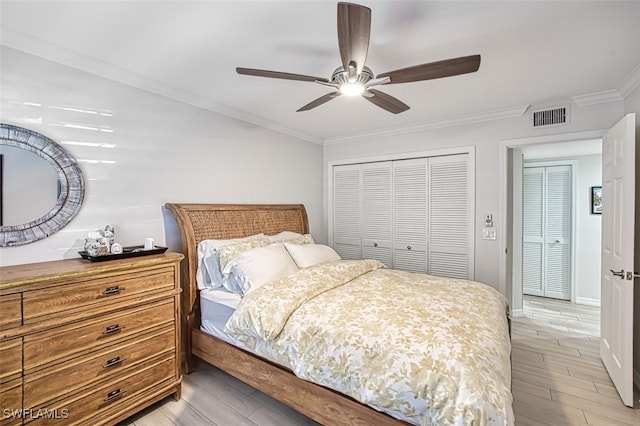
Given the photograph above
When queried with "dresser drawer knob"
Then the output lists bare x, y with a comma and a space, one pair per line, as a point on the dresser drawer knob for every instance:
114, 395
112, 329
110, 291
113, 362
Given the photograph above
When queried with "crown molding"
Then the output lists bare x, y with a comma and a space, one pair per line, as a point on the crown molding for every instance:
460, 120
596, 98
52, 52
631, 83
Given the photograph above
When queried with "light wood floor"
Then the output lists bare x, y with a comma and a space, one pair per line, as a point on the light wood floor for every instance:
558, 379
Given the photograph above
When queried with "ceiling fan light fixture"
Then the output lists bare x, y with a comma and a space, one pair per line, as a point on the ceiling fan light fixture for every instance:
354, 78
352, 89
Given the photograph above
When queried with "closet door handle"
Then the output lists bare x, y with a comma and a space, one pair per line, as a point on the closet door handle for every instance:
408, 247
375, 244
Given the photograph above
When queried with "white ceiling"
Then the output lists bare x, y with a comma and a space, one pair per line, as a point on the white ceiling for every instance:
533, 53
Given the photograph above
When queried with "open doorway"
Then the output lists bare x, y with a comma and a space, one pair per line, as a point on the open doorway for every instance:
617, 238
582, 252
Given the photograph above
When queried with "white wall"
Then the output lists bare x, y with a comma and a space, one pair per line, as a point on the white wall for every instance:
155, 150
486, 137
588, 232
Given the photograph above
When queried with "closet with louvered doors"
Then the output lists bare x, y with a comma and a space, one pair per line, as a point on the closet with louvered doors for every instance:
411, 214
547, 223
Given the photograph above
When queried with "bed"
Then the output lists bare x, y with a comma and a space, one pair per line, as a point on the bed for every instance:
250, 364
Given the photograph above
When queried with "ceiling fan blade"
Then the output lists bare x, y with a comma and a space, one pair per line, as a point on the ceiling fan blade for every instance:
278, 74
440, 69
321, 100
384, 101
354, 29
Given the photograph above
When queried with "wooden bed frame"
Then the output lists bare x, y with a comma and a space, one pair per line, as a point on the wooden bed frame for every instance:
199, 222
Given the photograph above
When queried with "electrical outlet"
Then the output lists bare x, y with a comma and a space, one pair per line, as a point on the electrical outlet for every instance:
488, 234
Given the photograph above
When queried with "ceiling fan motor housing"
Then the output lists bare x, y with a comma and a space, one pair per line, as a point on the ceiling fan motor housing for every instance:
340, 76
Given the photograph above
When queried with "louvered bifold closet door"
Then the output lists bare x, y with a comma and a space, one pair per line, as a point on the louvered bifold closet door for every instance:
410, 215
450, 244
376, 212
558, 232
533, 183
347, 211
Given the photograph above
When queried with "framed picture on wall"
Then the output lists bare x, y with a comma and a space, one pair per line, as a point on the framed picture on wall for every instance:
596, 200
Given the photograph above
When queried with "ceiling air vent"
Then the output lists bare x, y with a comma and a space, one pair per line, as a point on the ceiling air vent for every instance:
550, 116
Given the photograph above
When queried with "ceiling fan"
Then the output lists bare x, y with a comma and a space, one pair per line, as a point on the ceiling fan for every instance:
354, 78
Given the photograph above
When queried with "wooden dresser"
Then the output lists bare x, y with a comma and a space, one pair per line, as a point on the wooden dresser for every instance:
88, 342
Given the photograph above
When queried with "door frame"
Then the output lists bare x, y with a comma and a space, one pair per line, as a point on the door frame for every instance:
510, 285
572, 239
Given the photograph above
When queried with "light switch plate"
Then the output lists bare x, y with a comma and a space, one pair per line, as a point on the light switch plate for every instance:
488, 234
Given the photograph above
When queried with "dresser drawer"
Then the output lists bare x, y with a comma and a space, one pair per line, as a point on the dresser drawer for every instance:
10, 360
87, 296
87, 407
104, 364
10, 311
11, 402
59, 343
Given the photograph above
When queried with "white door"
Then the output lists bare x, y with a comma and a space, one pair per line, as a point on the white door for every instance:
547, 217
414, 215
410, 215
533, 230
376, 212
558, 232
450, 221
347, 211
618, 213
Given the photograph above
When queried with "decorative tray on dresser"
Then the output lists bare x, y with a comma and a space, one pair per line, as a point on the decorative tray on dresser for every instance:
88, 343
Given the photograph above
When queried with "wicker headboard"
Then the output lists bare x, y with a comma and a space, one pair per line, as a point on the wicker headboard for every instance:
199, 222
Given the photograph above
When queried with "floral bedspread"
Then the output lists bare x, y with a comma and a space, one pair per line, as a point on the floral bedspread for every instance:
425, 349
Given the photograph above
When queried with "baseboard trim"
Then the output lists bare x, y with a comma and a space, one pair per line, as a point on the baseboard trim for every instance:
587, 301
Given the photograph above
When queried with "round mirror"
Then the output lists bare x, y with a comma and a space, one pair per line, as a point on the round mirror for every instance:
53, 194
30, 186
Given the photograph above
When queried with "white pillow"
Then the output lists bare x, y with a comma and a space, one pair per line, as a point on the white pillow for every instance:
229, 252
257, 267
309, 254
208, 273
291, 237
